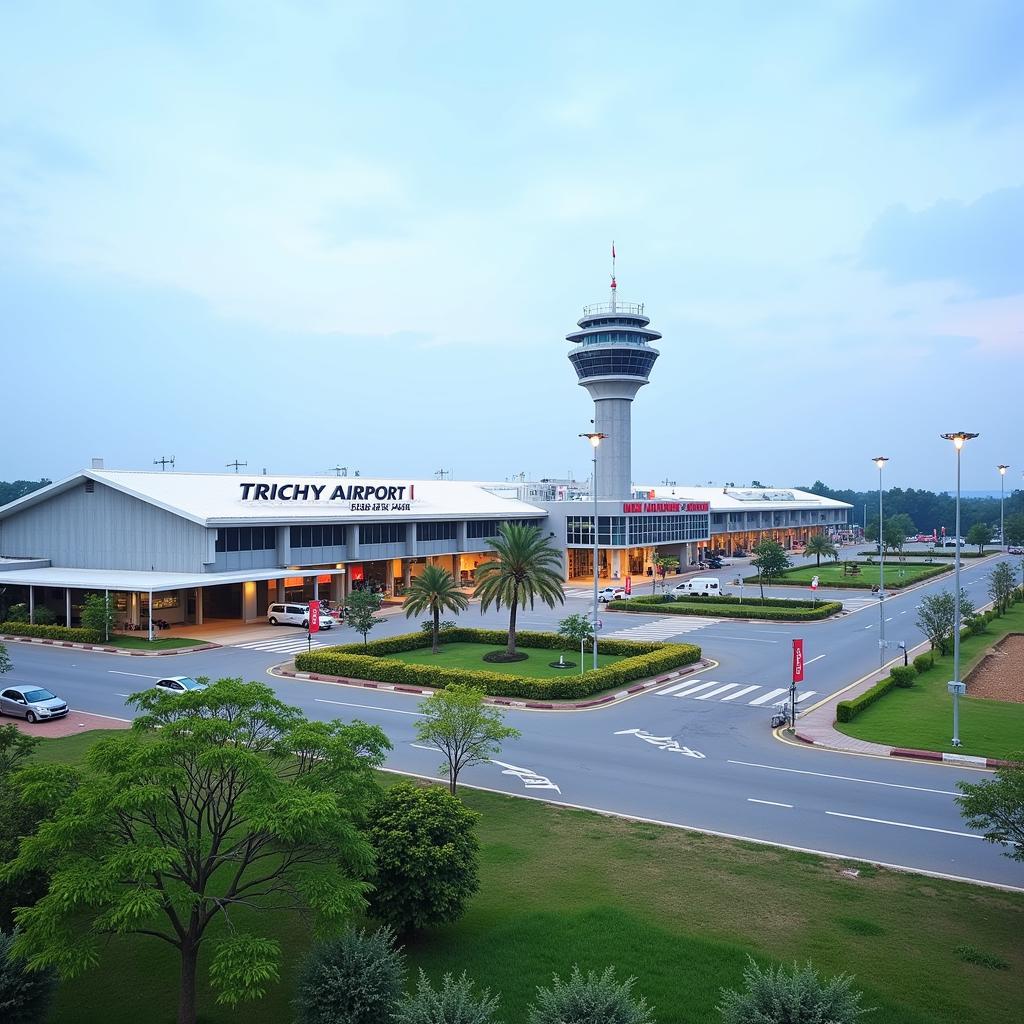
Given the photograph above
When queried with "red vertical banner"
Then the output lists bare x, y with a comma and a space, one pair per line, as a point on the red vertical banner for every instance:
629, 584
798, 661
314, 616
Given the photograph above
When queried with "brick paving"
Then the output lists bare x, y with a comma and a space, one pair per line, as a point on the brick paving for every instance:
73, 722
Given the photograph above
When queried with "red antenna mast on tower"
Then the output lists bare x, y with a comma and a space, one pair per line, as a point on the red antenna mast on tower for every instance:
614, 284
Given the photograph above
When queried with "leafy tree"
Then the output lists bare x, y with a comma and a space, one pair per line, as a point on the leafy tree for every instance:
818, 544
454, 1002
18, 612
98, 613
434, 591
576, 630
361, 607
526, 568
980, 534
935, 618
1001, 584
44, 616
426, 851
662, 565
897, 528
1014, 527
774, 995
594, 999
25, 995
466, 730
770, 560
214, 800
356, 978
11, 490
996, 806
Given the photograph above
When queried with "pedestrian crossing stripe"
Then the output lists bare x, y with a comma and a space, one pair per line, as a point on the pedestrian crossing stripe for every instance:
713, 689
281, 645
661, 629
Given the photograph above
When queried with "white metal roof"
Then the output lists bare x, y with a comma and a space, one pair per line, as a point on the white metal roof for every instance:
116, 579
749, 499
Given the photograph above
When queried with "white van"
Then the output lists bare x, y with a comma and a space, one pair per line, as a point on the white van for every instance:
295, 615
699, 586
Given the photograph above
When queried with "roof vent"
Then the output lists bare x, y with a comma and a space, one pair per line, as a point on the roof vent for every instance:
90, 486
97, 463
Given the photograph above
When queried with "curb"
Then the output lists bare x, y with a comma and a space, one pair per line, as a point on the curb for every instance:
965, 759
99, 648
508, 702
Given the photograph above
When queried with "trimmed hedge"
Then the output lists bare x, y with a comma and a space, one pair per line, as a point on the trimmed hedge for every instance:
734, 610
923, 662
356, 662
757, 602
853, 582
903, 675
945, 553
848, 710
73, 634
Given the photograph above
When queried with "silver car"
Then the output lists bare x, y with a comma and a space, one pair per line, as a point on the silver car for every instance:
32, 703
178, 684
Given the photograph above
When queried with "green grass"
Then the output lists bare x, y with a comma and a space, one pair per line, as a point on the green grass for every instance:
538, 665
679, 911
831, 575
142, 643
921, 716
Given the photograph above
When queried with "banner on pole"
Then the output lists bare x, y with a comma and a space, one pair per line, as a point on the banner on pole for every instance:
314, 616
629, 584
798, 661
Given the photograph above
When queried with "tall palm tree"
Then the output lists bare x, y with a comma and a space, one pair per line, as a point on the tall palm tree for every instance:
526, 567
818, 544
434, 591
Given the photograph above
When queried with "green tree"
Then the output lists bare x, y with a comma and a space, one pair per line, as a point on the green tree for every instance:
980, 534
1001, 585
996, 806
434, 591
770, 560
897, 528
818, 544
98, 613
361, 607
576, 630
355, 978
774, 995
663, 564
25, 995
454, 1002
458, 722
526, 568
593, 999
214, 800
426, 850
1014, 530
18, 612
935, 618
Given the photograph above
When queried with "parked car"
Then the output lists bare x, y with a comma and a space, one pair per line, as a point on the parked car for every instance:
1015, 550
297, 615
698, 586
178, 684
32, 703
924, 538
612, 594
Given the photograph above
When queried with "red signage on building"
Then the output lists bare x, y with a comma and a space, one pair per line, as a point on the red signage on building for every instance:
798, 661
314, 616
638, 507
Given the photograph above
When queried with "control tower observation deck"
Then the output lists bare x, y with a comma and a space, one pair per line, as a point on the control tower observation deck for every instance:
613, 356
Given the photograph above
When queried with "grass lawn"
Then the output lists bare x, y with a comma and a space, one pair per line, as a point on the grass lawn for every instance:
679, 911
921, 716
538, 665
831, 575
141, 643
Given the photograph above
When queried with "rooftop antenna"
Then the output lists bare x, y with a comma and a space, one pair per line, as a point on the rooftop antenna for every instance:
236, 464
163, 463
443, 474
614, 284
341, 470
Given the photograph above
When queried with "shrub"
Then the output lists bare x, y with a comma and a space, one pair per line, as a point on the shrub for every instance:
75, 635
355, 978
923, 662
848, 710
453, 1003
18, 612
734, 610
903, 675
594, 999
25, 995
44, 616
426, 848
777, 996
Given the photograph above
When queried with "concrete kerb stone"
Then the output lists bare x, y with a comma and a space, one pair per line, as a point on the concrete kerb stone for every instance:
101, 649
610, 698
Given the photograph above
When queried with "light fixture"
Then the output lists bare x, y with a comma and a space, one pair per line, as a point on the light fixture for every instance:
958, 438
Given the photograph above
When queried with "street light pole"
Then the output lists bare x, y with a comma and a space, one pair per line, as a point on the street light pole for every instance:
595, 439
958, 440
1002, 498
880, 463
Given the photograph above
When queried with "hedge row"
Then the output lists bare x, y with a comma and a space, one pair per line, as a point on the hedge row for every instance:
70, 633
734, 610
853, 582
645, 660
942, 553
757, 602
899, 675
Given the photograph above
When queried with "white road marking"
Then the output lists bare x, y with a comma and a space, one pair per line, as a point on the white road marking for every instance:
662, 742
889, 619
870, 626
769, 803
527, 776
906, 824
139, 675
694, 689
662, 629
750, 639
846, 778
674, 687
768, 696
420, 746
740, 693
369, 707
810, 661
121, 694
715, 693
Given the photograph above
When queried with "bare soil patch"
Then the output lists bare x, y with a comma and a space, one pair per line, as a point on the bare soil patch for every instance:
1000, 674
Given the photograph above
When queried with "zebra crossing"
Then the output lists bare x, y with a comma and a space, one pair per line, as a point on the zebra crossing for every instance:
854, 604
661, 629
295, 644
712, 689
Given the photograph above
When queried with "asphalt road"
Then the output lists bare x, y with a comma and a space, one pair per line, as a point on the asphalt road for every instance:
701, 755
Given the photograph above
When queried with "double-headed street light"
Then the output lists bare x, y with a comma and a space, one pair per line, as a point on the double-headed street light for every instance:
880, 462
595, 440
956, 687
1002, 498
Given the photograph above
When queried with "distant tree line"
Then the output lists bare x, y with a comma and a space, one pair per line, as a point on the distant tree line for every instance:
11, 490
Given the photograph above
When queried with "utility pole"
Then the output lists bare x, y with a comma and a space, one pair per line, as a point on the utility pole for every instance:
236, 464
163, 463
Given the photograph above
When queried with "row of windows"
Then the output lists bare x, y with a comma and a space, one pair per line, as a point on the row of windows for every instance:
330, 536
608, 362
436, 531
246, 538
611, 321
382, 533
611, 530
614, 338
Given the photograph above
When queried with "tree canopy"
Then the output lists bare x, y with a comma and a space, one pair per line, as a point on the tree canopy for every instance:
434, 591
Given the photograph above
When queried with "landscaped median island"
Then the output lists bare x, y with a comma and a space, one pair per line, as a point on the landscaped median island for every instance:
407, 660
84, 635
866, 575
727, 606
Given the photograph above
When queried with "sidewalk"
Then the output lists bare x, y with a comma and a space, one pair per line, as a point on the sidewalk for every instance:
817, 726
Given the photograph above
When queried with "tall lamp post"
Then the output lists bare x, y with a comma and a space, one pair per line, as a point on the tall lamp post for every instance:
880, 463
595, 440
956, 687
1002, 498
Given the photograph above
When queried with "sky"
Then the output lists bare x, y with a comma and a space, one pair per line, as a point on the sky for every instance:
312, 234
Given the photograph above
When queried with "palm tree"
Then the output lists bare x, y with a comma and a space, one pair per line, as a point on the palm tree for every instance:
818, 544
526, 567
434, 591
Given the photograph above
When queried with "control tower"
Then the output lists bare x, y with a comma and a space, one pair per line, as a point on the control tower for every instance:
613, 356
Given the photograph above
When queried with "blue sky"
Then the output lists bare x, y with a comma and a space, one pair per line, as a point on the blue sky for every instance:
302, 234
